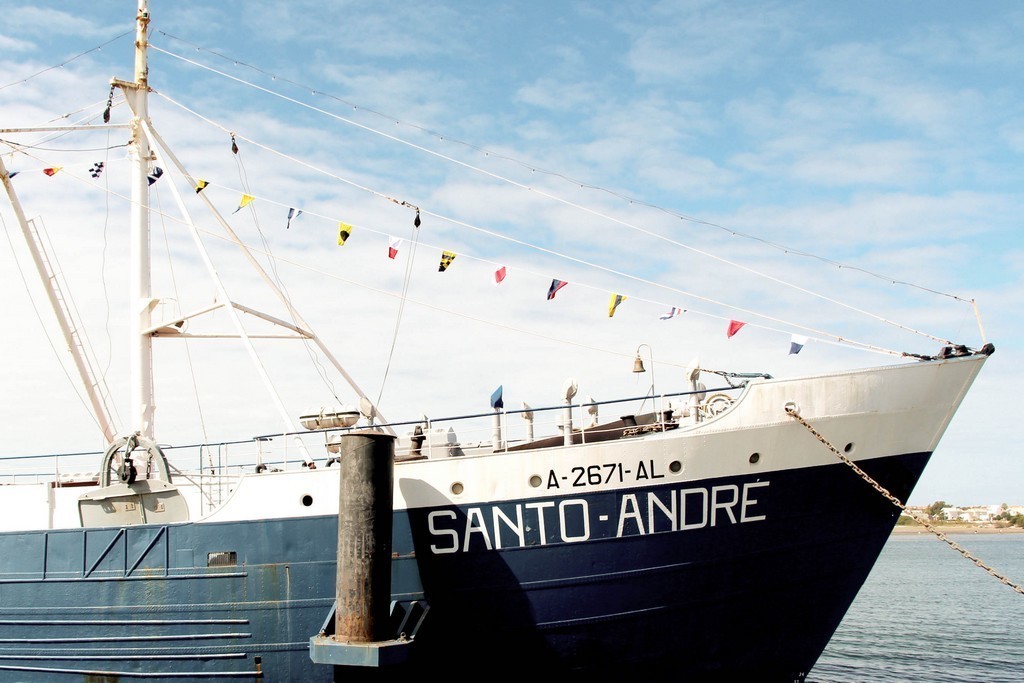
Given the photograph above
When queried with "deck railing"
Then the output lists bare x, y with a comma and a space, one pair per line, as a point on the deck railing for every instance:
215, 468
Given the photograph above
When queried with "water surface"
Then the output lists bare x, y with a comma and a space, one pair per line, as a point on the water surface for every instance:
928, 614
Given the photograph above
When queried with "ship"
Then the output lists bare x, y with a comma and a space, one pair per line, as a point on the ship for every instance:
717, 530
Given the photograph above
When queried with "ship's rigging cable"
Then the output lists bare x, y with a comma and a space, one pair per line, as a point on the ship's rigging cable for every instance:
28, 78
589, 264
103, 268
243, 178
74, 383
823, 335
415, 240
794, 412
552, 197
838, 339
56, 135
533, 168
177, 297
424, 304
58, 149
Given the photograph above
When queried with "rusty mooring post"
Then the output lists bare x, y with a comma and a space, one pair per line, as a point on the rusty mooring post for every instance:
357, 635
364, 537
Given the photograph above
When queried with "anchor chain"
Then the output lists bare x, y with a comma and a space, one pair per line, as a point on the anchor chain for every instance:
792, 412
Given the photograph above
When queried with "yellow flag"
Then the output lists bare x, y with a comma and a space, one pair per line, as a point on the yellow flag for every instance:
446, 260
344, 230
614, 302
201, 185
246, 200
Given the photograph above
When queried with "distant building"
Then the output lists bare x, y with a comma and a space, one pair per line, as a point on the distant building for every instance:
950, 513
969, 513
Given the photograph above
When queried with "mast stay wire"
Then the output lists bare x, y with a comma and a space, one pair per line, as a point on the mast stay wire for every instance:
833, 338
406, 280
533, 168
243, 177
423, 304
581, 207
574, 259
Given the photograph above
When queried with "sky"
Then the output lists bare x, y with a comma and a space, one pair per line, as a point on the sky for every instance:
836, 171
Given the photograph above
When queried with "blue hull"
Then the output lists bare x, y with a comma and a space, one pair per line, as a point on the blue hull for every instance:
624, 581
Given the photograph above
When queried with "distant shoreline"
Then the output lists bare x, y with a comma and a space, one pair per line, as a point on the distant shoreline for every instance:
957, 529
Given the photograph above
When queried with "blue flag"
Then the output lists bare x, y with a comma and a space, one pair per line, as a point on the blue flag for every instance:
555, 286
496, 401
796, 344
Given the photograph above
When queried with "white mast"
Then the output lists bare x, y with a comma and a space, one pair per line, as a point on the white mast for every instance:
142, 329
141, 297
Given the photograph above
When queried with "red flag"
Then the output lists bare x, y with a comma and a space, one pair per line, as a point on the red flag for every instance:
393, 244
499, 275
52, 171
734, 327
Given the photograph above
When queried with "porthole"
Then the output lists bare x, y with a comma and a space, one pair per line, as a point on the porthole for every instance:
675, 467
848, 448
754, 457
457, 488
307, 500
536, 481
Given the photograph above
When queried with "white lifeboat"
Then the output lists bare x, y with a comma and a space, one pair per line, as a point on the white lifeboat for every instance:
330, 418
